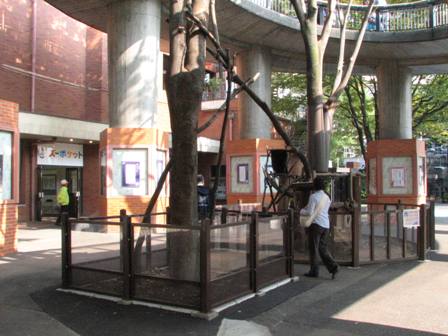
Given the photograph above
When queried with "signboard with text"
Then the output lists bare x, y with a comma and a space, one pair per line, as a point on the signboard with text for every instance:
411, 218
60, 154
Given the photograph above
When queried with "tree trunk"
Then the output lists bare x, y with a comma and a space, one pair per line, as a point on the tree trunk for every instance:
185, 87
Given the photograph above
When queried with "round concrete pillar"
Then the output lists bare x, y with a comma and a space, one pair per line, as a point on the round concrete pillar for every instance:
134, 46
253, 121
394, 101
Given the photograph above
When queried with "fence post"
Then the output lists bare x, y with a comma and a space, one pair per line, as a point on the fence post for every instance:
432, 225
431, 15
66, 253
377, 19
356, 219
356, 222
253, 234
126, 257
290, 242
224, 213
421, 235
205, 266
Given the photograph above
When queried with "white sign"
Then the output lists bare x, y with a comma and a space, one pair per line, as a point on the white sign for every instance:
60, 154
411, 218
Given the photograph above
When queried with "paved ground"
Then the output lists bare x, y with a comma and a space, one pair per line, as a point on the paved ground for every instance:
409, 298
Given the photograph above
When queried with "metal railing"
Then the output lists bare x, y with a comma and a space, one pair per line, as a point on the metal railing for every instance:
374, 233
402, 17
143, 261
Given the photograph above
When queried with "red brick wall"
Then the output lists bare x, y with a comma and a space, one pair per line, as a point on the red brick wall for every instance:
70, 76
8, 208
91, 181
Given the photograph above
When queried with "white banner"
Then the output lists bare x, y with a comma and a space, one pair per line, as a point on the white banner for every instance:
60, 154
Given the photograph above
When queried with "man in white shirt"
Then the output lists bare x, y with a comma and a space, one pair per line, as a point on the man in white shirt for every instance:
318, 231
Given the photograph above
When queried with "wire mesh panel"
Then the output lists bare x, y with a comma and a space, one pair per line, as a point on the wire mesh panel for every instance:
379, 236
342, 237
411, 242
229, 262
96, 246
271, 250
166, 265
365, 238
396, 236
96, 265
110, 283
271, 238
229, 250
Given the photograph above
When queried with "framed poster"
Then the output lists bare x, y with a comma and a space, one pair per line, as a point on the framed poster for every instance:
372, 176
1, 174
130, 174
243, 173
241, 179
397, 177
5, 165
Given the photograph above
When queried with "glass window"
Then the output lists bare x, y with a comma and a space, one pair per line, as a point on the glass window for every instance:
5, 165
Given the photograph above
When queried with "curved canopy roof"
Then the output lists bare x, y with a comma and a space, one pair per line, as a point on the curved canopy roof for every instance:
243, 23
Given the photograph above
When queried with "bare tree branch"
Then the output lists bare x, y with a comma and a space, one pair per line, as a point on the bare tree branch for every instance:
349, 70
328, 25
340, 66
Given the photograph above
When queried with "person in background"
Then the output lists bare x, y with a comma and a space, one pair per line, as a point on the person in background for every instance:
203, 198
319, 230
63, 200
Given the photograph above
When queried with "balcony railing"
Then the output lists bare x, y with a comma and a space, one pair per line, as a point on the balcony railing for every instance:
402, 17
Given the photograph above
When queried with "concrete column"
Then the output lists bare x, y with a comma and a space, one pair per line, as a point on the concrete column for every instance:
394, 101
134, 47
253, 121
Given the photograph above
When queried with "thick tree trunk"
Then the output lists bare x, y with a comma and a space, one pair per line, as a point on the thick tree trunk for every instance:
185, 87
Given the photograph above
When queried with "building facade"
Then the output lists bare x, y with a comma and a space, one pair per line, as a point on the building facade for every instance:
59, 120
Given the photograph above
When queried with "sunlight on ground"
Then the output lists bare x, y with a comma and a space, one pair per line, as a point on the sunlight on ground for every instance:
395, 301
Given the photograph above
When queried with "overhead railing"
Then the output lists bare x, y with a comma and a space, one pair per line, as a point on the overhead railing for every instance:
402, 17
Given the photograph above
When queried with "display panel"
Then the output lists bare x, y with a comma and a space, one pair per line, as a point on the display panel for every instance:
5, 165
397, 175
372, 176
241, 174
129, 172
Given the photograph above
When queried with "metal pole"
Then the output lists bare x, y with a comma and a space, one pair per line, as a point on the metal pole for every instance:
205, 266
356, 222
421, 234
127, 257
432, 225
66, 252
253, 251
290, 242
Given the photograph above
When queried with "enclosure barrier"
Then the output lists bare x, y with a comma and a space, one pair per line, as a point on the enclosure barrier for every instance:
374, 233
196, 267
400, 17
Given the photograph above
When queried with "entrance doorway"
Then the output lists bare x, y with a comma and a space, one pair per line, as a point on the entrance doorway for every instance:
48, 178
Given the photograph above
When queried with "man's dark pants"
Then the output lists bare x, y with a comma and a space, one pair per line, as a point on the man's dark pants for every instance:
317, 242
62, 209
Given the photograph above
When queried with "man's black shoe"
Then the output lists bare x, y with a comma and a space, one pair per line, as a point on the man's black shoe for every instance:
311, 275
333, 274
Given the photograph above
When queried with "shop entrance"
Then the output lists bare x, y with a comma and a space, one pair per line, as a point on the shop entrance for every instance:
48, 178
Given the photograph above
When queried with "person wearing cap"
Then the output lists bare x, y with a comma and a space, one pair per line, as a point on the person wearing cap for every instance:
63, 200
